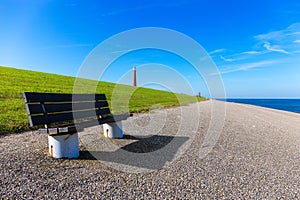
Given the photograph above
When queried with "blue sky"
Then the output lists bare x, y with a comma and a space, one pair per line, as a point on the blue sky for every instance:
254, 44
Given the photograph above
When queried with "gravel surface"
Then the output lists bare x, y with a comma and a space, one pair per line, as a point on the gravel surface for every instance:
255, 156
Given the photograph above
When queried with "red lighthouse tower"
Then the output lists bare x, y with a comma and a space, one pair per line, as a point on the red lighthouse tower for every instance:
134, 77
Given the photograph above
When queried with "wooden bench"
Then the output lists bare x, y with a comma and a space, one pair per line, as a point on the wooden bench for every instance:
64, 115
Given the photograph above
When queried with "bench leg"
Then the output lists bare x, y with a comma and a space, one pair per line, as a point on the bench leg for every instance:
113, 130
63, 146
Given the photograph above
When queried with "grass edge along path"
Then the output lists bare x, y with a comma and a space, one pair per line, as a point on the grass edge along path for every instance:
13, 82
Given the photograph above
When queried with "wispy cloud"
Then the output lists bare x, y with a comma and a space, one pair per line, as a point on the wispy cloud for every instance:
251, 52
249, 66
294, 33
238, 57
281, 41
216, 51
292, 30
227, 59
285, 42
275, 35
246, 66
275, 48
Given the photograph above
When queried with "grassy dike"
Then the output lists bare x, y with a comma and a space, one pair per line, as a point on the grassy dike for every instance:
13, 82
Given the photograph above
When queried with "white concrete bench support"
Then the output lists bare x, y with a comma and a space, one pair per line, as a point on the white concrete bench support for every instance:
63, 146
113, 130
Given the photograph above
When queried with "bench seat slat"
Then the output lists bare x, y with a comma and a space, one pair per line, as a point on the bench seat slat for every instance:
32, 97
96, 122
82, 125
59, 117
52, 108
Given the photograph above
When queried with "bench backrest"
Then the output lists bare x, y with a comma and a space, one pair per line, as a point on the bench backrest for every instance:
48, 108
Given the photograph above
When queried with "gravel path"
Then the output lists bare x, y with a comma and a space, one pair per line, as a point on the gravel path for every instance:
256, 156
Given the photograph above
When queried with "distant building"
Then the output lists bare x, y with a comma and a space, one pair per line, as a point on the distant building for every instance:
134, 77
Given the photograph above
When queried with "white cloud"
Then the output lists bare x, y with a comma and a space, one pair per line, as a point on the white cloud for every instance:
281, 41
256, 65
226, 59
285, 42
292, 30
242, 56
275, 35
246, 66
216, 51
274, 48
294, 33
251, 52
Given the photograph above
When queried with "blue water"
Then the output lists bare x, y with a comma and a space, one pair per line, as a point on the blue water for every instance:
291, 105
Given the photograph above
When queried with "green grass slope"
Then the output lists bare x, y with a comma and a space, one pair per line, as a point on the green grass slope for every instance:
13, 82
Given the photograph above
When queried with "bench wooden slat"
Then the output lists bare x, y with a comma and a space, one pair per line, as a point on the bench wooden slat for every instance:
52, 108
31, 97
82, 125
59, 117
108, 119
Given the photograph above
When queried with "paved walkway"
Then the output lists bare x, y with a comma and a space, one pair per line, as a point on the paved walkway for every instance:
255, 156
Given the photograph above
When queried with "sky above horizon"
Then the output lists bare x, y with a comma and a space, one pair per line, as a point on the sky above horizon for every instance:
255, 44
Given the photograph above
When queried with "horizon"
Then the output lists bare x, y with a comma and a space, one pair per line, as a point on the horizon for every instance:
254, 44
227, 98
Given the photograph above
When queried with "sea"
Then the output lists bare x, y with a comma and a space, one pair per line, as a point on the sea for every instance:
291, 105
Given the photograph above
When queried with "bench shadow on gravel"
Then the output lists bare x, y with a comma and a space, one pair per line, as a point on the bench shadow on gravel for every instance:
145, 151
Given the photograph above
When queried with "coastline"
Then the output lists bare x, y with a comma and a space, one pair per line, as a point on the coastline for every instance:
289, 105
266, 108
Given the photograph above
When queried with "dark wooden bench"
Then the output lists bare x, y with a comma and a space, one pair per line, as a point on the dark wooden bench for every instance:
64, 115
68, 113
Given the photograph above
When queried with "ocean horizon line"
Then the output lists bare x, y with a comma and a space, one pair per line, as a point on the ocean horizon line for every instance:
290, 105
